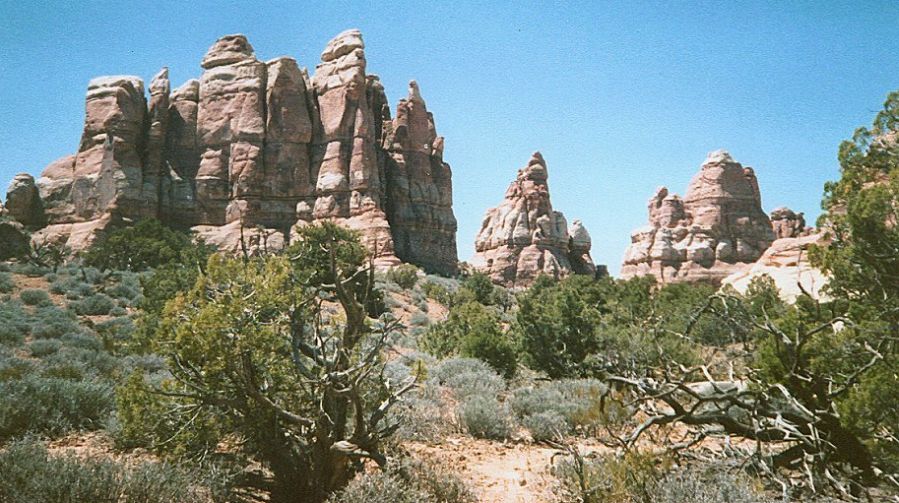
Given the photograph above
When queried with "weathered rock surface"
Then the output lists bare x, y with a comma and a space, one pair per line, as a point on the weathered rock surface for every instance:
420, 191
256, 145
786, 223
786, 262
524, 237
716, 229
23, 202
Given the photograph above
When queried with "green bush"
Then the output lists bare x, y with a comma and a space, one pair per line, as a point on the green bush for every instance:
405, 275
34, 297
475, 331
6, 282
51, 322
485, 417
14, 324
52, 406
97, 304
32, 475
72, 287
144, 245
44, 347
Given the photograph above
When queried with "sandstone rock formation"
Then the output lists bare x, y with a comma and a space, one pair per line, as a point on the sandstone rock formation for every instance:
524, 237
786, 263
23, 202
717, 228
255, 148
420, 191
786, 223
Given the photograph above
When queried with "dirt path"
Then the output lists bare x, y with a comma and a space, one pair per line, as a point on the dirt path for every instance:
498, 472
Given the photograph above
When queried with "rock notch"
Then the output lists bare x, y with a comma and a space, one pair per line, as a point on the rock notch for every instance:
524, 237
252, 149
716, 229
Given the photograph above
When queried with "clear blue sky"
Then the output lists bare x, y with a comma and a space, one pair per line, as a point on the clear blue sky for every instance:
620, 97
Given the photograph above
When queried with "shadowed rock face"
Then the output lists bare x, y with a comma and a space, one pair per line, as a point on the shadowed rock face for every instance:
257, 144
716, 229
524, 237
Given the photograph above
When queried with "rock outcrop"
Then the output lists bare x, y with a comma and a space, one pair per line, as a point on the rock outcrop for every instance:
786, 263
786, 223
524, 237
420, 190
716, 229
256, 148
23, 202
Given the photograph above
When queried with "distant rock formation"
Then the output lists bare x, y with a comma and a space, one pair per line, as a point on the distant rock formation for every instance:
715, 230
251, 150
524, 237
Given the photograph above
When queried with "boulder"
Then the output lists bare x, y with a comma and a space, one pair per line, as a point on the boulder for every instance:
23, 201
524, 237
786, 223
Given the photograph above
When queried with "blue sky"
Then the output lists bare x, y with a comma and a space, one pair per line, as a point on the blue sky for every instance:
620, 97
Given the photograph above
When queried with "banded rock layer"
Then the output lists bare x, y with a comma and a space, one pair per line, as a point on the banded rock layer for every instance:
253, 149
716, 229
524, 237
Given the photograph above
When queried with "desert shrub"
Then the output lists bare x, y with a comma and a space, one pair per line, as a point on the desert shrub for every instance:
51, 322
14, 324
6, 282
485, 417
72, 287
52, 406
579, 402
30, 269
468, 377
97, 304
710, 486
421, 415
547, 425
34, 297
44, 347
405, 275
419, 320
607, 478
437, 480
115, 333
32, 475
13, 367
381, 487
406, 480
438, 290
82, 340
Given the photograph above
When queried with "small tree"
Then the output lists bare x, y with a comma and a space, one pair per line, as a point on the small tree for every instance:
146, 244
473, 330
282, 350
